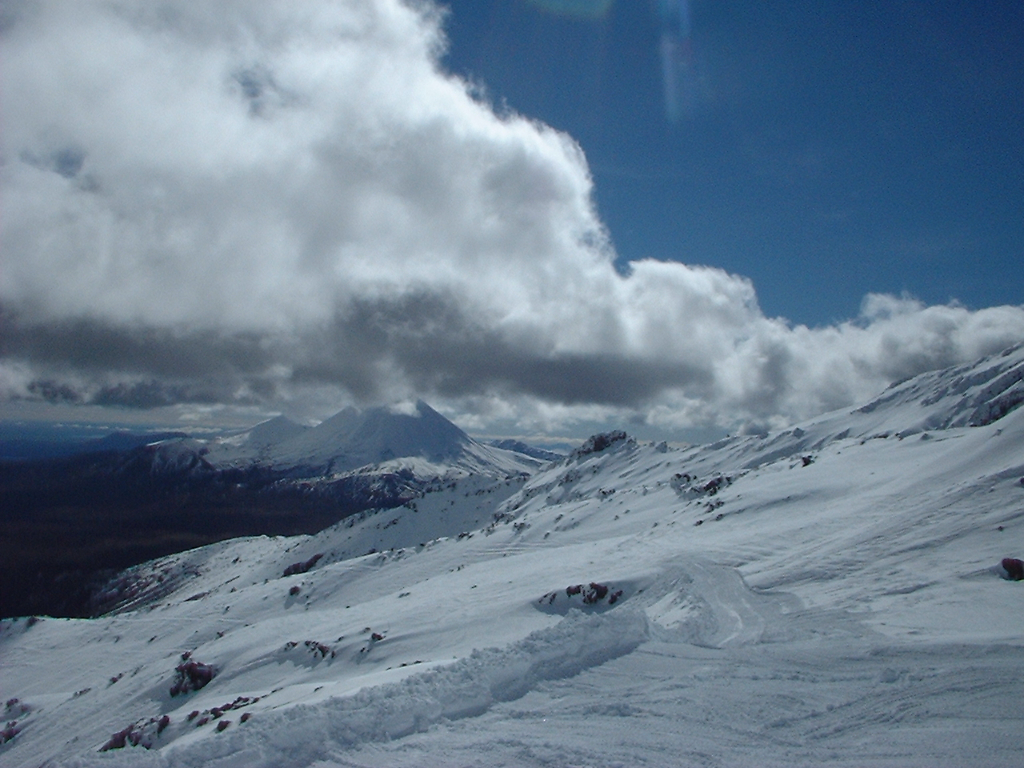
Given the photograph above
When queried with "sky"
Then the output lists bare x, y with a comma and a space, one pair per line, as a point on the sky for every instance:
828, 150
541, 216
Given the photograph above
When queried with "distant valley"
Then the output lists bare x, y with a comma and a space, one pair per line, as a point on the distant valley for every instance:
70, 521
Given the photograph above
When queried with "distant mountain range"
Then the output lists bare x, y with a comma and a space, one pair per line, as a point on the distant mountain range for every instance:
165, 492
346, 441
416, 437
32, 441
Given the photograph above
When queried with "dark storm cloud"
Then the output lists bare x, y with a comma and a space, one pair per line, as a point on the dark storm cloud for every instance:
89, 360
268, 201
90, 344
424, 339
438, 348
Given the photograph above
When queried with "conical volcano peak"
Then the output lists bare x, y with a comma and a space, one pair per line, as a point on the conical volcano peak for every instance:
389, 432
353, 438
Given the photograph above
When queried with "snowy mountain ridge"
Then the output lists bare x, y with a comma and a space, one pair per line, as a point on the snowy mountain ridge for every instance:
968, 395
352, 439
830, 594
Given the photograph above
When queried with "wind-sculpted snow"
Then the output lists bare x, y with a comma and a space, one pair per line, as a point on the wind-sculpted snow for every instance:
970, 395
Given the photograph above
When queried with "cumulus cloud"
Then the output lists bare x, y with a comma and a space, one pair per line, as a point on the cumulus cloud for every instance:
262, 201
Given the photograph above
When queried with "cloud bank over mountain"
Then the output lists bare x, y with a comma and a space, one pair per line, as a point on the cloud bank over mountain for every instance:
269, 203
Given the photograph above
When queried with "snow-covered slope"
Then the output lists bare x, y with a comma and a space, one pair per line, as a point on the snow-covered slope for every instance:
829, 595
257, 444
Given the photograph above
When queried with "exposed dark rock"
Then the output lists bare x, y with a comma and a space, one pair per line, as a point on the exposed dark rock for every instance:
592, 594
1014, 568
192, 676
142, 733
297, 568
598, 443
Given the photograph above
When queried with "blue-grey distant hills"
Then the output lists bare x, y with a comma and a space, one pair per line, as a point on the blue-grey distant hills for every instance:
32, 441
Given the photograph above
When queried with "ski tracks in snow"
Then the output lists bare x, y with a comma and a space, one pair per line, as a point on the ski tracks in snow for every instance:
302, 735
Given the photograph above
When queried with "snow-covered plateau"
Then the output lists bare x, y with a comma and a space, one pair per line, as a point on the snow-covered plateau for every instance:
829, 595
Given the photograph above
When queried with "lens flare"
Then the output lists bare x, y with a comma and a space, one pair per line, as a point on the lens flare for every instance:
678, 64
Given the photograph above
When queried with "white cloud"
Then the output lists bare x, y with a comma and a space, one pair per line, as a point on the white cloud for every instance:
259, 201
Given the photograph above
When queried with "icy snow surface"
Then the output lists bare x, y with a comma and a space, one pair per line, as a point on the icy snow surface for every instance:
830, 595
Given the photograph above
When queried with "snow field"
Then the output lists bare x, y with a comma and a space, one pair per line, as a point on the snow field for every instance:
825, 596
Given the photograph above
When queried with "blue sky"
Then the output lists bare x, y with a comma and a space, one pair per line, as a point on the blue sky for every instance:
835, 149
215, 213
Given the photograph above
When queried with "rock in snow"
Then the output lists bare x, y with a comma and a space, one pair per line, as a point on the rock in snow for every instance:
1014, 568
769, 609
